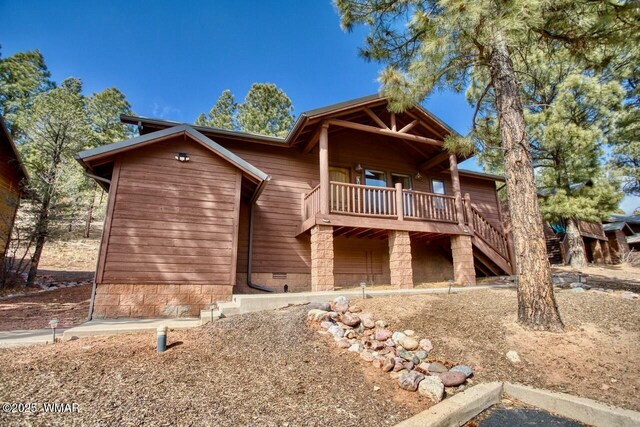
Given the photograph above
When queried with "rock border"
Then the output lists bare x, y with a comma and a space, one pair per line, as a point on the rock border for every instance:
462, 407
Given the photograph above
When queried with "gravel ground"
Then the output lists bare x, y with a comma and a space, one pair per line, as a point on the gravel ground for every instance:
260, 369
271, 368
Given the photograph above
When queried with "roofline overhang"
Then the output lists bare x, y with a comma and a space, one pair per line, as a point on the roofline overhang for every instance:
14, 149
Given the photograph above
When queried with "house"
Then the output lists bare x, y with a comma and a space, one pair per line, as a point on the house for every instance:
596, 245
12, 175
353, 193
623, 233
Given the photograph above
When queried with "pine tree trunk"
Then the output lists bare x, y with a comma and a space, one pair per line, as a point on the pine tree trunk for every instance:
537, 308
577, 257
41, 229
89, 219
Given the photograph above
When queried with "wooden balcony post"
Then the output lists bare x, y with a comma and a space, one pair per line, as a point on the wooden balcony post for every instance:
455, 183
467, 206
324, 169
399, 209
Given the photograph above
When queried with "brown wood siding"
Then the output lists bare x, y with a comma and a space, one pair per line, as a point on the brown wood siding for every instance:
277, 214
9, 194
171, 222
484, 197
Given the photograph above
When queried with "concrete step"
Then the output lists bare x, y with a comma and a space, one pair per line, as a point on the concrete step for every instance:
229, 308
207, 316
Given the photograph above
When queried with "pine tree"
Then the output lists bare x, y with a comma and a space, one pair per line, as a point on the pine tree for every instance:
55, 128
223, 113
434, 44
22, 77
266, 110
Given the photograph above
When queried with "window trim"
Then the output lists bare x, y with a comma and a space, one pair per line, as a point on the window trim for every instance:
403, 175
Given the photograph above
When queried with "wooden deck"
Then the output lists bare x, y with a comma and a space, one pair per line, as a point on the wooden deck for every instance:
364, 211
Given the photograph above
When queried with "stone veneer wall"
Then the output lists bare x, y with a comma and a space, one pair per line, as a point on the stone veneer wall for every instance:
400, 259
462, 252
162, 300
322, 278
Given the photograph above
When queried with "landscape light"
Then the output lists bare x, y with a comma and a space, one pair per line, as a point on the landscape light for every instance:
52, 324
363, 285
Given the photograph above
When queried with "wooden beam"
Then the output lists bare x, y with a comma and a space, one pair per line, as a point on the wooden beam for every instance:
393, 122
313, 141
439, 158
324, 168
375, 118
455, 183
425, 125
386, 132
408, 127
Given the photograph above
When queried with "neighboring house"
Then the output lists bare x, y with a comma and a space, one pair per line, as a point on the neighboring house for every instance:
623, 232
12, 175
594, 241
353, 193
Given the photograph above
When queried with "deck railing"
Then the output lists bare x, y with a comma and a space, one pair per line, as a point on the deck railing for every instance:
429, 206
354, 199
489, 233
311, 203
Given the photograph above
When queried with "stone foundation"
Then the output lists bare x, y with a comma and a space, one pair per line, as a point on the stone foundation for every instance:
163, 300
464, 272
322, 258
400, 260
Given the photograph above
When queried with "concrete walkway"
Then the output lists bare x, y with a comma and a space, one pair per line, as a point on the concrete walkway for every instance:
127, 326
31, 337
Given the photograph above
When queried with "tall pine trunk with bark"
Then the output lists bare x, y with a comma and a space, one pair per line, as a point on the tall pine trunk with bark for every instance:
537, 308
577, 257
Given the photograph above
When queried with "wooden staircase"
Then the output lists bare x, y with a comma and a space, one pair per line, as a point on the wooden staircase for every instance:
491, 245
554, 251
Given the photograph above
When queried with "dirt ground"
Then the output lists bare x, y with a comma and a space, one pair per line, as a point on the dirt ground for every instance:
620, 276
70, 306
597, 356
271, 368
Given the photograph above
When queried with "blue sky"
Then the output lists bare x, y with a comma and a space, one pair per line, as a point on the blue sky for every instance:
172, 59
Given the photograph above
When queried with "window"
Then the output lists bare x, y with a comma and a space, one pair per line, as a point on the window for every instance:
437, 187
339, 174
405, 180
375, 178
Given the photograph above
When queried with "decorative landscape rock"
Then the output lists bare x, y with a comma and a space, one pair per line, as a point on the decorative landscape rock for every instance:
343, 343
356, 347
350, 319
426, 345
401, 354
462, 368
368, 323
383, 334
336, 331
432, 388
325, 306
513, 357
437, 367
409, 343
410, 380
452, 379
317, 315
381, 324
422, 354
367, 355
406, 355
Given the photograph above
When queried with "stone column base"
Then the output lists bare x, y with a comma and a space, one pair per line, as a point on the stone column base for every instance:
400, 259
322, 258
464, 273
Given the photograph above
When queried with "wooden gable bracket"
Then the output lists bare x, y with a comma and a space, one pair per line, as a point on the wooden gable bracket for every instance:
376, 119
313, 141
386, 132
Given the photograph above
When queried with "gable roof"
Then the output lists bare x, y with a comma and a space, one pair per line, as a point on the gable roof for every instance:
629, 219
6, 136
117, 147
300, 122
617, 226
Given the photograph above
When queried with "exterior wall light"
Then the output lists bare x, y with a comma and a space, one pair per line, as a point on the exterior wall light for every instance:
358, 168
182, 157
418, 176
